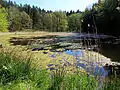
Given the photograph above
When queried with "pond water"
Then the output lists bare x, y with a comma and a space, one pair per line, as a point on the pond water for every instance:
108, 46
93, 68
111, 51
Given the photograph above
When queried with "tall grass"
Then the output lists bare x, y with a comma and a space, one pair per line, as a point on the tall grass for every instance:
113, 84
19, 74
16, 74
76, 81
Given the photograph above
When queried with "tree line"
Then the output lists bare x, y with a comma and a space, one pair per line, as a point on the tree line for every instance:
103, 17
26, 17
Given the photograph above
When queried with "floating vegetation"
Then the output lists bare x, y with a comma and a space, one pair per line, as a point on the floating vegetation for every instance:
80, 47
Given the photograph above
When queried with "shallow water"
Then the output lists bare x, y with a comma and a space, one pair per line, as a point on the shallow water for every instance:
111, 51
108, 46
93, 68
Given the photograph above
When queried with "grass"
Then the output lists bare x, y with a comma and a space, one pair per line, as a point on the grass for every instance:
21, 70
112, 84
16, 74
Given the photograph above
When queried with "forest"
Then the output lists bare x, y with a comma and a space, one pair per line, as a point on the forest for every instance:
104, 15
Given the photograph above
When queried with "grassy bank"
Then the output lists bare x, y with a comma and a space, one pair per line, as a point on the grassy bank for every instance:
16, 74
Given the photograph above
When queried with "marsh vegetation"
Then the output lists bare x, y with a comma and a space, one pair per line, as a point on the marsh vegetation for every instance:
59, 50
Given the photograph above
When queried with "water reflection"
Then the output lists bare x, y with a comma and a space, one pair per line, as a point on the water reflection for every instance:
93, 68
111, 51
74, 53
110, 47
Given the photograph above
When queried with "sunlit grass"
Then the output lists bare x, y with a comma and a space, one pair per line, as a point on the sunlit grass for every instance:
17, 74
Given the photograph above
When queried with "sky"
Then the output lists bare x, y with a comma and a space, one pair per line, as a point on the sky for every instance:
59, 4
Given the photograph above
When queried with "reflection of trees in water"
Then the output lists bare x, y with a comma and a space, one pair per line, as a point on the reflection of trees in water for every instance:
111, 51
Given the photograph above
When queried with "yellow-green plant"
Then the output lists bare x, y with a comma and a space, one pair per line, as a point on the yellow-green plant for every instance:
3, 20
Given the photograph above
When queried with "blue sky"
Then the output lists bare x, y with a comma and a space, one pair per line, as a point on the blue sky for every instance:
59, 4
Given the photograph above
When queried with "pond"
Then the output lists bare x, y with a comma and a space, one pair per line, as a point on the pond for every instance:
111, 51
109, 46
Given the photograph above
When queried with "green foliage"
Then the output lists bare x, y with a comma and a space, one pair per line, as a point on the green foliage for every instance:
14, 19
18, 74
47, 20
105, 15
75, 21
12, 69
18, 20
56, 21
80, 82
61, 20
26, 17
113, 84
3, 20
26, 21
76, 81
40, 79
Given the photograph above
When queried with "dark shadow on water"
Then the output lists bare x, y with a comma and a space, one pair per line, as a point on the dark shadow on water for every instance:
111, 51
28, 41
45, 37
